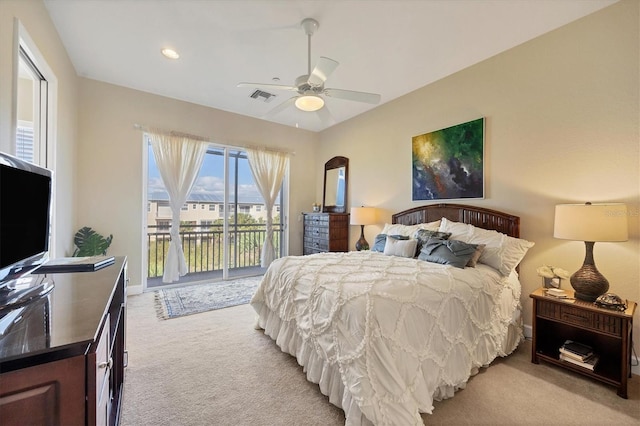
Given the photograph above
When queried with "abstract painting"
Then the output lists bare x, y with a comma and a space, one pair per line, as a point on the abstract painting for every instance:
449, 163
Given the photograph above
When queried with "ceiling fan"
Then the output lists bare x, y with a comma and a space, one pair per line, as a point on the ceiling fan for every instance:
310, 87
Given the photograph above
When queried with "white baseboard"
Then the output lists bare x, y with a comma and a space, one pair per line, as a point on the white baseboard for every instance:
635, 367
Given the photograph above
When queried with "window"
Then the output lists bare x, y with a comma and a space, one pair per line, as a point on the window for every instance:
201, 206
194, 206
212, 207
258, 209
33, 109
24, 141
32, 103
245, 209
184, 207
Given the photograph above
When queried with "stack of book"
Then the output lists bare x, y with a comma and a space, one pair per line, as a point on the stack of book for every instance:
579, 354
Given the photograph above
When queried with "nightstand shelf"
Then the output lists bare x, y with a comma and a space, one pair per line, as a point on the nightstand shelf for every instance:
609, 332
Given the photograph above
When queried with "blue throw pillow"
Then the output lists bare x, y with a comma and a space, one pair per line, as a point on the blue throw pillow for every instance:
381, 241
447, 252
423, 235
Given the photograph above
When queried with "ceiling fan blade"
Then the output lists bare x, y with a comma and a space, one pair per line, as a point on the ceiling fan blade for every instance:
350, 95
322, 71
268, 86
325, 116
281, 107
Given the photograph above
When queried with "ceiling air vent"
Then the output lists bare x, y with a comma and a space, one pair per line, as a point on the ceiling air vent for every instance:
262, 96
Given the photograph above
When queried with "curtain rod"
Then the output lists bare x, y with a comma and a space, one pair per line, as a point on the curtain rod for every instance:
208, 140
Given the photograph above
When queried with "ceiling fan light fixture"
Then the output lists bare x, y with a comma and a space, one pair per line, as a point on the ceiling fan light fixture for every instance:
309, 103
170, 53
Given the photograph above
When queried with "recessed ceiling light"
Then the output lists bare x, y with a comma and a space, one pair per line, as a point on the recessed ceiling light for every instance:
170, 53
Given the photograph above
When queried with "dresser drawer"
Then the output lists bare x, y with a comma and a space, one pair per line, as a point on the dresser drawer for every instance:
316, 220
316, 232
317, 244
568, 314
103, 360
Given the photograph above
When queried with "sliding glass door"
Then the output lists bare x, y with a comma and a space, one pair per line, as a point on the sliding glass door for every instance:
222, 224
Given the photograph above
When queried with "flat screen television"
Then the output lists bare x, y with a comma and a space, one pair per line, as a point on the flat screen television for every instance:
25, 215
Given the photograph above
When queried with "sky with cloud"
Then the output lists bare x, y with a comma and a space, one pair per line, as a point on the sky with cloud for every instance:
210, 180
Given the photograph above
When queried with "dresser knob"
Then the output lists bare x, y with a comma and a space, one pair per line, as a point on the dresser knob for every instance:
106, 364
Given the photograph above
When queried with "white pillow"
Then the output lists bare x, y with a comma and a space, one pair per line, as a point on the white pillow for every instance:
408, 230
501, 251
402, 248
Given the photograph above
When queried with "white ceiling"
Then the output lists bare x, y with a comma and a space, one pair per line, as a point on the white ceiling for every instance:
390, 47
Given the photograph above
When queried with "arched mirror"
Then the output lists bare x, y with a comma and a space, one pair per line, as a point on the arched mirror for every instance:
334, 198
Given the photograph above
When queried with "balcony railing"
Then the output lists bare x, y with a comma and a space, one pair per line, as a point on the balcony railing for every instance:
203, 246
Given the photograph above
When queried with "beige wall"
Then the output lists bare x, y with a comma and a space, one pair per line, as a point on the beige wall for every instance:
562, 125
111, 153
35, 19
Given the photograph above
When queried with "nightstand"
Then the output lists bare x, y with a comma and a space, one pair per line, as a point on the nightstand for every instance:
609, 332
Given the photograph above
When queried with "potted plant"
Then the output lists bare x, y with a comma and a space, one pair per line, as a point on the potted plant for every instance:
89, 243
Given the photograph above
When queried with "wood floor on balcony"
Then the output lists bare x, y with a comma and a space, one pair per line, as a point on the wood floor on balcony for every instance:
209, 276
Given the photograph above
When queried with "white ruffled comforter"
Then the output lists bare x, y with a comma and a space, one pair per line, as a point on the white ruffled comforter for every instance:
384, 336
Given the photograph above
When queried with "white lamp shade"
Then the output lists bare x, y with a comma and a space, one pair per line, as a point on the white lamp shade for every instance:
591, 222
309, 103
363, 216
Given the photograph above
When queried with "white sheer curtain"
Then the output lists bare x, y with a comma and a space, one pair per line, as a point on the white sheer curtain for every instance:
178, 159
268, 169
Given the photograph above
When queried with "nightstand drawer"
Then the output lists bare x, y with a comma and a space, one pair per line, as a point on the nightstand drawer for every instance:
580, 317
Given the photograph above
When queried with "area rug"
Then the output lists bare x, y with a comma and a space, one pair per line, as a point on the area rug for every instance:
193, 299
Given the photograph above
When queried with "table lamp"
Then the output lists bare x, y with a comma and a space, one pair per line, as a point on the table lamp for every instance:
590, 223
363, 216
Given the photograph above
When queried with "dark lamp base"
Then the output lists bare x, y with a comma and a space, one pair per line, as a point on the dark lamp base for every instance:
587, 281
362, 244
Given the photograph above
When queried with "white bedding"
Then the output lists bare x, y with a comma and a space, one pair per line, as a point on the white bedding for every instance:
385, 336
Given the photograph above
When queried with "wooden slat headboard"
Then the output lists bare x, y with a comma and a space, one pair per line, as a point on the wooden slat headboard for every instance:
476, 216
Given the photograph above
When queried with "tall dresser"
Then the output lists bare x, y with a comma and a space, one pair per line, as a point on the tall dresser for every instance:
325, 232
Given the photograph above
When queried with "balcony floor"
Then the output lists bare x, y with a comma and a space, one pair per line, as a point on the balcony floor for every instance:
206, 277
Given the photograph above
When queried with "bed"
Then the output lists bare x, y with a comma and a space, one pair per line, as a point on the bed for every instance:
384, 335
